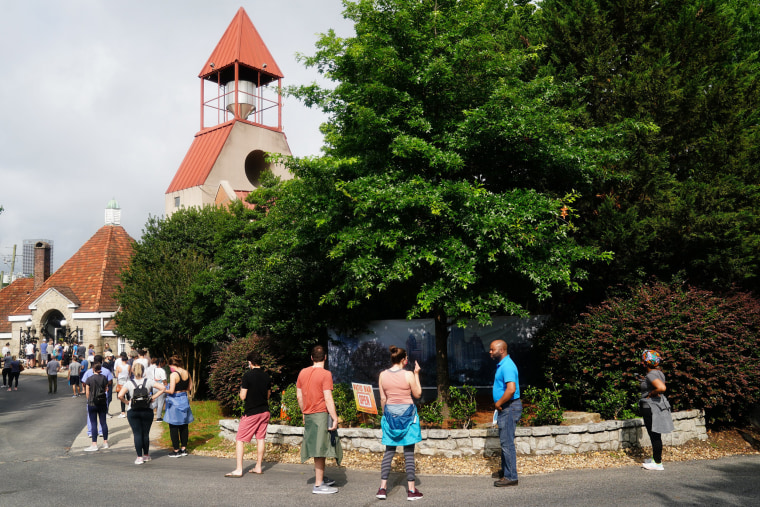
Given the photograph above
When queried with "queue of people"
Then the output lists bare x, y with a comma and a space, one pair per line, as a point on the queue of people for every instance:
143, 386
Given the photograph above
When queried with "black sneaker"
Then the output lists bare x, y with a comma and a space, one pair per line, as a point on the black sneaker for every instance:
183, 452
326, 480
175, 454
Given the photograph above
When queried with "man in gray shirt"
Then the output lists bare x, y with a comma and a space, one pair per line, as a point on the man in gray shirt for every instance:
75, 369
52, 372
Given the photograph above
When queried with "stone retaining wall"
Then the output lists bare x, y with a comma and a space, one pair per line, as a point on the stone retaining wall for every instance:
538, 440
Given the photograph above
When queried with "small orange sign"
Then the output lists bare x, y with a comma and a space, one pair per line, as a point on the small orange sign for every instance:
364, 398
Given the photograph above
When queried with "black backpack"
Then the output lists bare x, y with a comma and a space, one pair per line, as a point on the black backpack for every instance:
140, 396
99, 394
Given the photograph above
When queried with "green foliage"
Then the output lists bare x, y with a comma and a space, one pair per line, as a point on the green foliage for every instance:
371, 421
229, 364
345, 406
432, 412
462, 405
711, 356
546, 402
343, 396
614, 403
682, 206
158, 295
290, 405
275, 405
439, 126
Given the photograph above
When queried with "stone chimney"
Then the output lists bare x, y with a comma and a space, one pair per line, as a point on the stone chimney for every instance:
41, 263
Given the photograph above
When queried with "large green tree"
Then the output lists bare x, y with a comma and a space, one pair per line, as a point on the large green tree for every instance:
682, 207
170, 300
440, 124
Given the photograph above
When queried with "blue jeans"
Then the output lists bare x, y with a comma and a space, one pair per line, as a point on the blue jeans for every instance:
507, 421
95, 413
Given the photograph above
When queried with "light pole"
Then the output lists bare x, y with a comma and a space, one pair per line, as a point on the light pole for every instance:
25, 336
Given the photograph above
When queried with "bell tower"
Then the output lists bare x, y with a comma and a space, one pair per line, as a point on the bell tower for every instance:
240, 122
236, 79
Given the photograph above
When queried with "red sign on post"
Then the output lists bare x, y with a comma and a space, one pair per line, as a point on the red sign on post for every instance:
364, 398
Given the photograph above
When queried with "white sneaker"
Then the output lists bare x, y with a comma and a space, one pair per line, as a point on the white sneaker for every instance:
146, 458
323, 489
105, 446
653, 466
122, 416
139, 460
92, 448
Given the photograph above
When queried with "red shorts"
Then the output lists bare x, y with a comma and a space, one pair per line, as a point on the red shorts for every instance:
251, 425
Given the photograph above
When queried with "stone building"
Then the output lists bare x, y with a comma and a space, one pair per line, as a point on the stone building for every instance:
76, 302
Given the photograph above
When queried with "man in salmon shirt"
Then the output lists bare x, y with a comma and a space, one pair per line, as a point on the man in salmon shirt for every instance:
314, 391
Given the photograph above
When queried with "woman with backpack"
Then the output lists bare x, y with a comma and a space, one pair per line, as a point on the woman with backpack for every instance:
139, 392
95, 389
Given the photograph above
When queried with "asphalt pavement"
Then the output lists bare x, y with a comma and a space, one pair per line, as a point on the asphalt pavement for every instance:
42, 462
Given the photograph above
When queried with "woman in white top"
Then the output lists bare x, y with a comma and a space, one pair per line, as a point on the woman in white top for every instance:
122, 371
159, 377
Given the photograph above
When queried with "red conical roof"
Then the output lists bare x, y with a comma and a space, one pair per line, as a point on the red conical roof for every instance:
242, 43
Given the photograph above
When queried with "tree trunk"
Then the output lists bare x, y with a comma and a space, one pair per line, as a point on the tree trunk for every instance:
442, 359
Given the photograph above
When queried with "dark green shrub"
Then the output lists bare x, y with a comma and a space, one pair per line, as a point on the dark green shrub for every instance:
229, 364
343, 396
432, 412
711, 354
293, 414
546, 405
275, 406
345, 406
462, 405
614, 403
371, 421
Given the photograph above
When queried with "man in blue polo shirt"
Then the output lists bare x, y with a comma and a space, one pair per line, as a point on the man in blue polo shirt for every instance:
506, 397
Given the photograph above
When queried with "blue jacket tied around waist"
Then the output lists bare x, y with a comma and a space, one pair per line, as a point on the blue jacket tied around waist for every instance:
400, 425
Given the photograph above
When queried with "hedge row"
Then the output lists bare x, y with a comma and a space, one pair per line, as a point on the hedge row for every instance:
709, 344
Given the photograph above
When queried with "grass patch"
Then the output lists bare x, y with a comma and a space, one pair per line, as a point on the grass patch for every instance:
203, 432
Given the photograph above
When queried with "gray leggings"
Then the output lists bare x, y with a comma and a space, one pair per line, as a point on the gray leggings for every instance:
390, 451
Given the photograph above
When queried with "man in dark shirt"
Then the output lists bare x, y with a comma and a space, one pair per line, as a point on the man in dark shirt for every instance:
254, 391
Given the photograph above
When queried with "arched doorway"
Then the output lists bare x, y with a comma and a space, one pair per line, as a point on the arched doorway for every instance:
50, 324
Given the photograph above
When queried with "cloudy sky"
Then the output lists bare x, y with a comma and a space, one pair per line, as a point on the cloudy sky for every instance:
100, 100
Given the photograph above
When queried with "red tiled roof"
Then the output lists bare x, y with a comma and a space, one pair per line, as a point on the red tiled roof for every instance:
9, 300
200, 158
91, 275
242, 43
68, 294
